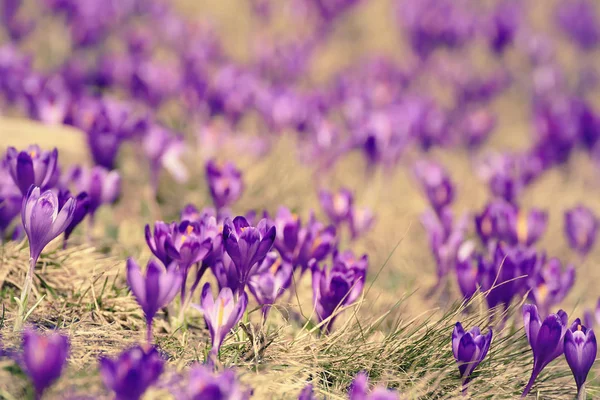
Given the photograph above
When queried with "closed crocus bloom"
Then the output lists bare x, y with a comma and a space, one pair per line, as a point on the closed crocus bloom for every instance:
44, 357
361, 221
82, 206
153, 291
205, 384
581, 227
221, 314
359, 390
269, 285
337, 205
157, 240
225, 183
469, 349
102, 186
132, 373
288, 227
546, 338
226, 273
163, 150
315, 241
247, 245
43, 220
592, 318
336, 287
580, 352
435, 181
32, 167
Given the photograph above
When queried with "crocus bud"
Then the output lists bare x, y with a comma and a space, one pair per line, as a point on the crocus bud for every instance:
43, 220
32, 167
225, 183
221, 314
581, 227
546, 338
469, 349
132, 373
44, 357
153, 291
580, 351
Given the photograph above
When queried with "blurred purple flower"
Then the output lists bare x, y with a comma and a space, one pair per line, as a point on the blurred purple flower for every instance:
546, 338
221, 314
361, 221
132, 373
44, 358
10, 199
307, 393
496, 222
338, 205
33, 167
247, 245
467, 267
592, 318
436, 183
580, 352
225, 183
338, 286
579, 21
203, 383
153, 291
359, 390
164, 150
528, 227
101, 185
270, 284
82, 207
550, 284
581, 229
469, 349
503, 25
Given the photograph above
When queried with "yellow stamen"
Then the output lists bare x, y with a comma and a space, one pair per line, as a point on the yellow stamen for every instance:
220, 312
578, 327
542, 292
316, 243
522, 228
275, 265
189, 229
33, 154
486, 226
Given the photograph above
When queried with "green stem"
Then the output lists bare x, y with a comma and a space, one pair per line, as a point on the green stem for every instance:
25, 296
581, 392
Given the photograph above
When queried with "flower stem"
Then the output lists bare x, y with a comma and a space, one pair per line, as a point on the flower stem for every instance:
25, 296
581, 392
149, 332
534, 375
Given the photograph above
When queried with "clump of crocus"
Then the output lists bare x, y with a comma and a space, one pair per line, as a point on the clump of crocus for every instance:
82, 206
221, 314
469, 349
102, 186
43, 221
580, 352
546, 338
32, 167
225, 183
247, 245
205, 384
581, 228
153, 291
132, 373
337, 287
359, 390
268, 285
44, 357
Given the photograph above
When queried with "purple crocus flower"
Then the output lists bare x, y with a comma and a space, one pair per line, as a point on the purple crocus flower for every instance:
581, 228
580, 352
225, 183
550, 285
288, 227
247, 245
496, 222
10, 199
359, 390
203, 383
32, 167
269, 285
221, 314
43, 219
503, 26
546, 338
102, 186
579, 21
361, 221
528, 227
307, 393
153, 291
44, 357
338, 286
467, 269
164, 150
337, 205
82, 206
157, 240
592, 318
505, 276
469, 349
132, 373
436, 183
